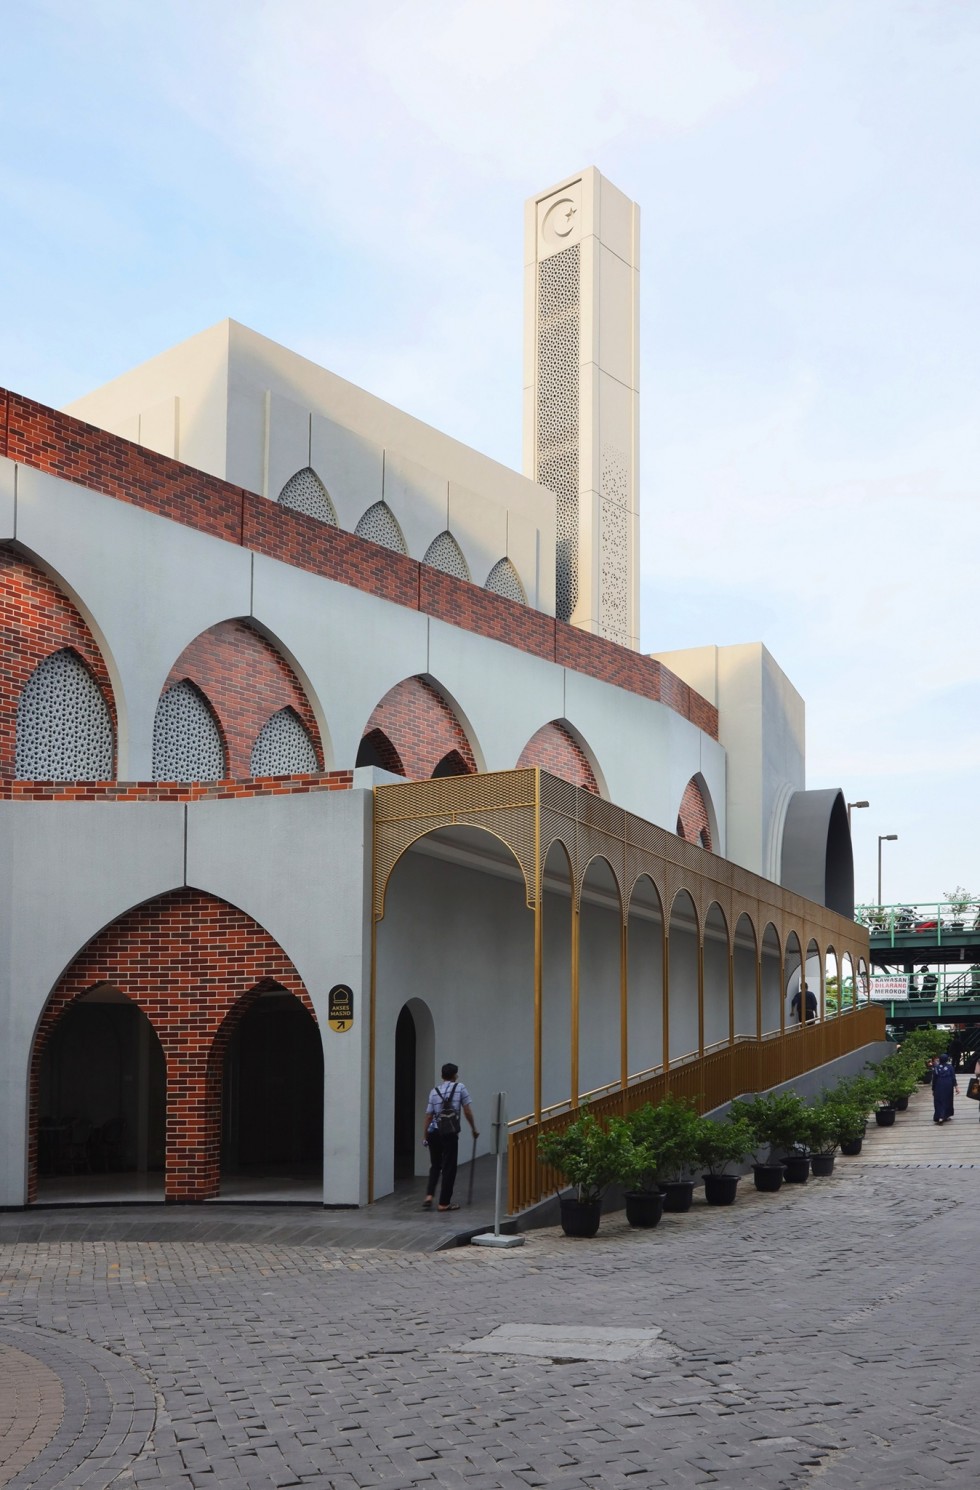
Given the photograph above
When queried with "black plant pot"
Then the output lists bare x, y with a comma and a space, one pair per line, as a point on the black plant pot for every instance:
678, 1195
901, 1104
797, 1169
821, 1165
768, 1177
720, 1189
885, 1117
851, 1145
580, 1217
644, 1207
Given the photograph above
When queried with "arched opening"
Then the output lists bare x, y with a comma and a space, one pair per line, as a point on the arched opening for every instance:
379, 525
863, 987
457, 936
683, 978
377, 750
101, 1098
814, 976
600, 943
271, 1100
414, 1077
283, 747
716, 1014
645, 978
452, 764
554, 748
745, 966
794, 1001
831, 998
444, 553
848, 992
187, 743
772, 981
556, 982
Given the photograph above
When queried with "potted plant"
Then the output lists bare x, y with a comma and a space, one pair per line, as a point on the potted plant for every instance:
637, 1172
847, 1117
669, 1129
821, 1139
720, 1145
958, 901
588, 1157
775, 1120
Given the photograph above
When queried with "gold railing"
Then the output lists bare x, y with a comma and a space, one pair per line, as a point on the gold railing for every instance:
747, 1066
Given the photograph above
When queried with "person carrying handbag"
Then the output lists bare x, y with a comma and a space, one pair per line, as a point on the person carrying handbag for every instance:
440, 1126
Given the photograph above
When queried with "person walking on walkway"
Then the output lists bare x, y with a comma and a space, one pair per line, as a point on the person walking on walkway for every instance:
943, 1087
441, 1125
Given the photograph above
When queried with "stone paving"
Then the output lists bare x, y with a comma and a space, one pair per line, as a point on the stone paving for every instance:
818, 1336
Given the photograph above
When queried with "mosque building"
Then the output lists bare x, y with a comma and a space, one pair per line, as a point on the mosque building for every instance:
329, 754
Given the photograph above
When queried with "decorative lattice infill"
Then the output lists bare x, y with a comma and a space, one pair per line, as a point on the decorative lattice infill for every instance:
305, 492
186, 740
378, 525
558, 362
283, 747
504, 579
64, 728
445, 553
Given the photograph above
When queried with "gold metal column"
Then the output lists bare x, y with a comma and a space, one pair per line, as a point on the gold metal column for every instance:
624, 1049
573, 1085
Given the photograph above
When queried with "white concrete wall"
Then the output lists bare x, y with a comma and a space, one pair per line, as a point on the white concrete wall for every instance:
70, 869
237, 405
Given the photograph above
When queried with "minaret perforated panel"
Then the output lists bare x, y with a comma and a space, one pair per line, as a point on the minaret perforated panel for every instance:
581, 395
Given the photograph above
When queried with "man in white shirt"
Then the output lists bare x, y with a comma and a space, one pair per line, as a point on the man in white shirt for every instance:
440, 1127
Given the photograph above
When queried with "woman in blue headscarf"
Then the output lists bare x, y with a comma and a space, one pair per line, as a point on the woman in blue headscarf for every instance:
943, 1087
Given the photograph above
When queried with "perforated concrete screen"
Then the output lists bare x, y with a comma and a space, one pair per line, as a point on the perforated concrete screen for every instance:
504, 580
283, 747
186, 742
445, 553
305, 492
64, 730
379, 525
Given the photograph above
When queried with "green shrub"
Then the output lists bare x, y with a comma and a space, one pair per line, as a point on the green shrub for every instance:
586, 1154
721, 1144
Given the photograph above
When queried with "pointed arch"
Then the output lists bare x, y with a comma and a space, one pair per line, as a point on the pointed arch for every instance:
445, 553
695, 815
187, 742
554, 748
64, 728
283, 747
376, 749
305, 492
241, 669
379, 525
504, 580
422, 727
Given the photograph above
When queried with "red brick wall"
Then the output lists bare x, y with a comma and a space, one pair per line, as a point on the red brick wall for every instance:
554, 749
49, 441
194, 965
36, 619
246, 681
421, 727
693, 823
180, 791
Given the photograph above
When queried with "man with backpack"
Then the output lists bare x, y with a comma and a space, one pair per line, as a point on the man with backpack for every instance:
441, 1125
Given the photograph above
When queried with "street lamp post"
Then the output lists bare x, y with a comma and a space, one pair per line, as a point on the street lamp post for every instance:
854, 804
883, 838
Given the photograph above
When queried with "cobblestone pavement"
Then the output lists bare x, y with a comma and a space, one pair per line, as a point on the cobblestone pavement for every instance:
815, 1337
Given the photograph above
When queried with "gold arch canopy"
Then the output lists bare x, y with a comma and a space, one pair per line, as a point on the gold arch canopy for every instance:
529, 811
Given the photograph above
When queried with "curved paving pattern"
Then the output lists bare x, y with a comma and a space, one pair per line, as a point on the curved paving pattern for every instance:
91, 1413
31, 1408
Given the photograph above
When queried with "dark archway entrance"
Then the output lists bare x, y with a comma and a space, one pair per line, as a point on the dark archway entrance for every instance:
406, 1051
272, 1102
101, 1103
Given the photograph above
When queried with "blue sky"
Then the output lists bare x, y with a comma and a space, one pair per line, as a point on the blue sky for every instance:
349, 179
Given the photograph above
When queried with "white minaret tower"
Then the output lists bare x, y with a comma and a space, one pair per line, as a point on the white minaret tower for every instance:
581, 399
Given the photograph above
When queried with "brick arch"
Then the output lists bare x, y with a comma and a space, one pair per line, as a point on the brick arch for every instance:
555, 749
245, 680
693, 818
194, 964
421, 727
376, 749
37, 619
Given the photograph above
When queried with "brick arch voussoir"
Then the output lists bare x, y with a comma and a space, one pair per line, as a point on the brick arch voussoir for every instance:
422, 727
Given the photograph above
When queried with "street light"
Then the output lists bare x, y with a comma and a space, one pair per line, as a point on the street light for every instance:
854, 804
883, 838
